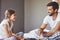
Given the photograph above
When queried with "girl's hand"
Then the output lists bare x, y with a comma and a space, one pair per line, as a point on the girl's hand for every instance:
8, 35
13, 34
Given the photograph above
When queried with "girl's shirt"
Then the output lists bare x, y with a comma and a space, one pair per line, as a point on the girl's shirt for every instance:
2, 32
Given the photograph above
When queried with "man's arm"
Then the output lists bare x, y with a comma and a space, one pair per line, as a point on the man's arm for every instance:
40, 30
57, 27
43, 26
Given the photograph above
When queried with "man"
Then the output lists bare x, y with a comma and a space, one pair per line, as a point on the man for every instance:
53, 19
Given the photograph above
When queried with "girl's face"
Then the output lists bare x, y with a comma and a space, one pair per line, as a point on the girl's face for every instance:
13, 17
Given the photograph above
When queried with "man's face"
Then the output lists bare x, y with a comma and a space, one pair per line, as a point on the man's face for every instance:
51, 11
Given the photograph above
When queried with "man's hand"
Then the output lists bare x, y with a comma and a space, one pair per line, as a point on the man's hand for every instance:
39, 32
44, 33
42, 27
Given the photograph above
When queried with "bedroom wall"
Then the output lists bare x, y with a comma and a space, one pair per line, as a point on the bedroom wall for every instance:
17, 5
34, 13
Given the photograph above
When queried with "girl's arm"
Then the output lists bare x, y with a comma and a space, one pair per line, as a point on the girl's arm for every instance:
13, 33
5, 27
17, 36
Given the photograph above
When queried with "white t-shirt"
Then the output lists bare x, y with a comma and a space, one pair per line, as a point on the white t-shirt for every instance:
2, 32
49, 20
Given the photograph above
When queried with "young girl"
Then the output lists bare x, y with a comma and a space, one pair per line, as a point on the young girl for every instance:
6, 26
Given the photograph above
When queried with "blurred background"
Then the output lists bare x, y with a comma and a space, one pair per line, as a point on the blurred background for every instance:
30, 13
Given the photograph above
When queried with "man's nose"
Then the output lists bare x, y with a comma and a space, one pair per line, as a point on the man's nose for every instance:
48, 12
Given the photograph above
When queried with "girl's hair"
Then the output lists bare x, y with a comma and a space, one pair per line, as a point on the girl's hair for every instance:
9, 12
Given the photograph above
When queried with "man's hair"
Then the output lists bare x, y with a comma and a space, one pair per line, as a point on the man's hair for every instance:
9, 12
55, 5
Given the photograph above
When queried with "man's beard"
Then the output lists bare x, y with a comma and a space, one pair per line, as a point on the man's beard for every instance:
51, 14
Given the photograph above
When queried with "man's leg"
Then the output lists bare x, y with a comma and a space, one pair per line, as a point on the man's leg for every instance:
55, 36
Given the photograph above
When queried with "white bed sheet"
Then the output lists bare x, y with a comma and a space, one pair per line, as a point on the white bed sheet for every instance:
33, 34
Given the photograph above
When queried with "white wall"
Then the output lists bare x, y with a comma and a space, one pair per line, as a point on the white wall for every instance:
30, 13
17, 5
0, 10
35, 11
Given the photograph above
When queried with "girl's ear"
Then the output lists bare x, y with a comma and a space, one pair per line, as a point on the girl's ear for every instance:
8, 15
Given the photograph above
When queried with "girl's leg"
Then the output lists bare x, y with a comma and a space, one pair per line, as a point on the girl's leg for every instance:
1, 39
11, 38
20, 34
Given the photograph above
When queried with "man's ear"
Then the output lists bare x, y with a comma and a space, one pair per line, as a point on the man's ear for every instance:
56, 10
